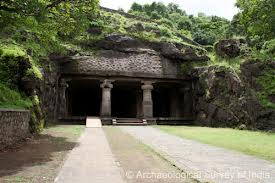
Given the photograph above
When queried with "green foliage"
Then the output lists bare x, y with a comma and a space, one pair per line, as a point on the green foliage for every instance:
36, 124
161, 30
204, 30
267, 81
269, 48
15, 64
165, 32
30, 31
231, 63
11, 98
257, 18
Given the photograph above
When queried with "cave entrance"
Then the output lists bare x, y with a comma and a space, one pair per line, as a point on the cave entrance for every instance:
168, 100
126, 100
84, 98
161, 102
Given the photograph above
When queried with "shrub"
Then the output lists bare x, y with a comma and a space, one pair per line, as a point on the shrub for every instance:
268, 88
11, 98
164, 31
269, 48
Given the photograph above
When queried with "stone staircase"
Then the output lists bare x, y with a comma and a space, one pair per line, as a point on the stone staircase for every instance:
129, 122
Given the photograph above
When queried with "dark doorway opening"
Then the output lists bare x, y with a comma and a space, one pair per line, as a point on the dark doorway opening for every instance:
84, 98
161, 102
125, 98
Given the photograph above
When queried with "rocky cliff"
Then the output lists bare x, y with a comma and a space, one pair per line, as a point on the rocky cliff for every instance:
226, 98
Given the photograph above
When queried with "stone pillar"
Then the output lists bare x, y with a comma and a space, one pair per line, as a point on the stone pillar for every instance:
147, 102
106, 98
63, 110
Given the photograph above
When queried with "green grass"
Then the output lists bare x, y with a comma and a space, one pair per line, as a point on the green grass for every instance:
13, 99
259, 144
233, 63
67, 129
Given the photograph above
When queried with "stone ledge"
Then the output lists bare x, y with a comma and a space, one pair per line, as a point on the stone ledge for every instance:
13, 110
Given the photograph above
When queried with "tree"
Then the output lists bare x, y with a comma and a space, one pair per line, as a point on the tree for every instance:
205, 29
174, 8
258, 18
184, 23
65, 16
136, 7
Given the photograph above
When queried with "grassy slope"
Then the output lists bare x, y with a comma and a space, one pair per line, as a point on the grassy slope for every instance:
13, 99
115, 22
259, 144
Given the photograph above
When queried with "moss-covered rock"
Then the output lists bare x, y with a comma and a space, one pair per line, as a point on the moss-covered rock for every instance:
225, 98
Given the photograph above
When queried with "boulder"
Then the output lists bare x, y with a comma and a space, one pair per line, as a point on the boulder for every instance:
179, 52
221, 87
118, 42
223, 99
229, 48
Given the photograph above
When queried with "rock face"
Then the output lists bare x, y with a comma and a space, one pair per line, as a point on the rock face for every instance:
48, 91
115, 55
121, 55
224, 99
173, 51
229, 47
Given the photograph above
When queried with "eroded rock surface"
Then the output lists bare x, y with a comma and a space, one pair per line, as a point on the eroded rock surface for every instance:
229, 47
224, 98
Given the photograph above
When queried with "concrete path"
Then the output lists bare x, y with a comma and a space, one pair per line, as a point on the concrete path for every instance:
205, 162
90, 162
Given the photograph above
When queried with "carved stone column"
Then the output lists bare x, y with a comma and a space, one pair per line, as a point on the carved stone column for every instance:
63, 110
147, 102
106, 98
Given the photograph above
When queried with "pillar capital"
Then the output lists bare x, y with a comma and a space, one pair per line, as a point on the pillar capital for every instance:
107, 84
147, 85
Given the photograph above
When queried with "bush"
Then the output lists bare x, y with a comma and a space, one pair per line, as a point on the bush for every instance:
15, 64
164, 31
269, 48
10, 98
268, 88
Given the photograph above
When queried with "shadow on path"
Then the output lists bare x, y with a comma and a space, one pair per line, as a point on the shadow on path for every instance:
35, 151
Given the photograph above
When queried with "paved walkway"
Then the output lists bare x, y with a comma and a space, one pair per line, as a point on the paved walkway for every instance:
90, 162
205, 162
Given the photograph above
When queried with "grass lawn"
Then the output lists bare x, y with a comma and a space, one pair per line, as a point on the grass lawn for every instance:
259, 144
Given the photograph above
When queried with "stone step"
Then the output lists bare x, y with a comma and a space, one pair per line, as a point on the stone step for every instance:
93, 122
129, 121
130, 124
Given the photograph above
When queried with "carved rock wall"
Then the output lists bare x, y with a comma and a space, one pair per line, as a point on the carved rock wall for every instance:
123, 64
